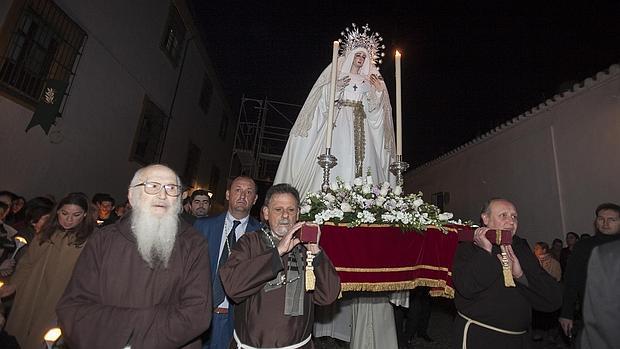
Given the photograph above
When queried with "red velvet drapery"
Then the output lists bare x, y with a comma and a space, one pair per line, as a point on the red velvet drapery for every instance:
381, 258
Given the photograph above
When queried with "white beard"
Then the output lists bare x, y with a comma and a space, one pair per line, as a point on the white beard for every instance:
155, 236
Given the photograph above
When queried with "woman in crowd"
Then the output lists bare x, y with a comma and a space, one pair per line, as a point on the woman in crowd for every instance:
556, 249
17, 214
44, 271
36, 213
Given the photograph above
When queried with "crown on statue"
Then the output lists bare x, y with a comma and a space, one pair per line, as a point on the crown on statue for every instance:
355, 37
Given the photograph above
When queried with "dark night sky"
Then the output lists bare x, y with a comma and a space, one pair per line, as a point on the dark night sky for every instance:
465, 69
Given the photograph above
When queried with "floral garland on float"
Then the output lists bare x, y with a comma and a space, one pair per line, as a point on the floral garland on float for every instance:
364, 202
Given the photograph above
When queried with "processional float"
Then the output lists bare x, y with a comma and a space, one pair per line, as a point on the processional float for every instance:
386, 255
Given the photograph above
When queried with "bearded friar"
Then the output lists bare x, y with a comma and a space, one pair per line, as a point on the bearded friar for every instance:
145, 281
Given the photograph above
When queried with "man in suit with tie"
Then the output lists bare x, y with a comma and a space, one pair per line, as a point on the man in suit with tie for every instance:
222, 232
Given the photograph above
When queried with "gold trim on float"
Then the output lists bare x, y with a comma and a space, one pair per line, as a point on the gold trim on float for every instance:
447, 292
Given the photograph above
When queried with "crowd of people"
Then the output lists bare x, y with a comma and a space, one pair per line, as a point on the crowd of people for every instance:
155, 275
141, 277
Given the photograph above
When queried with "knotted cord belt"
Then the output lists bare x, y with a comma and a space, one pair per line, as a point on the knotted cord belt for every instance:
481, 324
359, 137
293, 346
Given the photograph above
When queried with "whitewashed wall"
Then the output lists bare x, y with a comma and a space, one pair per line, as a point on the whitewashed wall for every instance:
556, 162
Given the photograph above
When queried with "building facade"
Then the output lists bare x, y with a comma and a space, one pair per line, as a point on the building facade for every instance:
556, 162
91, 90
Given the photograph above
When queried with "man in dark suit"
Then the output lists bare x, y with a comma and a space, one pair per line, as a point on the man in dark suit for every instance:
222, 232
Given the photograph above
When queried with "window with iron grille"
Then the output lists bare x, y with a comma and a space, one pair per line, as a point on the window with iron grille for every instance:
174, 35
150, 134
45, 44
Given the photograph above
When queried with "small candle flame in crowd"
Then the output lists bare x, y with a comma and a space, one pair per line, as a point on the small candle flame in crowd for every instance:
52, 335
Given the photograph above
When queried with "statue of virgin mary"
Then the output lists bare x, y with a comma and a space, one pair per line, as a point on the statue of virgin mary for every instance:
363, 132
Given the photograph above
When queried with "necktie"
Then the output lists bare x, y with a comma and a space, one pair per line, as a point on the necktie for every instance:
218, 289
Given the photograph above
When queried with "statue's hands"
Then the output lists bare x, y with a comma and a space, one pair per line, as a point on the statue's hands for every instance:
375, 81
343, 82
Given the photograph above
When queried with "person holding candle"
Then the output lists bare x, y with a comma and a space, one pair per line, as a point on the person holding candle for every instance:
363, 133
44, 271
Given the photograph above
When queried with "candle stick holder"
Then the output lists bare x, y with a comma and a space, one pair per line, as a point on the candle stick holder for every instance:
326, 161
397, 168
19, 243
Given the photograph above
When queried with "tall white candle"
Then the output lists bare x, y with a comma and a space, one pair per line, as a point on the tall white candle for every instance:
332, 94
399, 108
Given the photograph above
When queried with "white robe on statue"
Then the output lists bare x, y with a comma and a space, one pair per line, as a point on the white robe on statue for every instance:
306, 142
368, 321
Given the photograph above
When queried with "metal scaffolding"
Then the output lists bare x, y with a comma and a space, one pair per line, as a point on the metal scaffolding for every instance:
263, 127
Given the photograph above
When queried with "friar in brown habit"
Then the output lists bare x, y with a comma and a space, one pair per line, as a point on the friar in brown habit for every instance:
265, 276
144, 281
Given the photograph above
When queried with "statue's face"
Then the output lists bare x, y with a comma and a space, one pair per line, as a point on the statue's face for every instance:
359, 59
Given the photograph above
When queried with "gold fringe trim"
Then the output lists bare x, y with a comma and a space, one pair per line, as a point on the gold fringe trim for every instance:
396, 269
447, 292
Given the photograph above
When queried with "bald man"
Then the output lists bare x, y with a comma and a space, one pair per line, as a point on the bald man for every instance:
491, 312
144, 282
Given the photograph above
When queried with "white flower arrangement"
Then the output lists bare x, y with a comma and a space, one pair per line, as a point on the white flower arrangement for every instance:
364, 202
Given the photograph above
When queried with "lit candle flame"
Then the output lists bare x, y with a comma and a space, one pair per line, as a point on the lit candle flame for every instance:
20, 242
52, 335
1, 283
